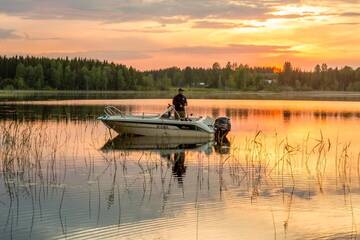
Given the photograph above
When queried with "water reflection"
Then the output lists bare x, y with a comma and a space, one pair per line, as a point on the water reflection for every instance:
65, 179
223, 147
177, 160
158, 144
172, 149
31, 111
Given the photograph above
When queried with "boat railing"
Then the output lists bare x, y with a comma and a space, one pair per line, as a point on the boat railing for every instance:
113, 111
169, 109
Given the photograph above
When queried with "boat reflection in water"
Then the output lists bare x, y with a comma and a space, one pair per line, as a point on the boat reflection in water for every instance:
172, 149
157, 144
222, 147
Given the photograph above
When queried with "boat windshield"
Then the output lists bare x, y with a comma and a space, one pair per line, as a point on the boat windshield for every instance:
167, 113
170, 113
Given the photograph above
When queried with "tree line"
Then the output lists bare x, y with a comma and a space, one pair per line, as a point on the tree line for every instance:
40, 73
321, 78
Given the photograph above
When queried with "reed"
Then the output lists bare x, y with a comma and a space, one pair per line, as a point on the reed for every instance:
36, 162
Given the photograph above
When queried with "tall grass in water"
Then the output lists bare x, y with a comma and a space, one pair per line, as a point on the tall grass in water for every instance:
23, 149
30, 162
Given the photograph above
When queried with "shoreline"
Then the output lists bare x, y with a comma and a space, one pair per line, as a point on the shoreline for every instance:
195, 94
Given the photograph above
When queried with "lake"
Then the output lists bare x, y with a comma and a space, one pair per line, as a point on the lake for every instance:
291, 172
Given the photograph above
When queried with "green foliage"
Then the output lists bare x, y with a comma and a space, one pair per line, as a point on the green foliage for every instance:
9, 87
148, 82
321, 78
83, 74
38, 77
20, 83
20, 71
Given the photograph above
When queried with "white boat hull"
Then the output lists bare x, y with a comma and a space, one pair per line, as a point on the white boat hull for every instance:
155, 130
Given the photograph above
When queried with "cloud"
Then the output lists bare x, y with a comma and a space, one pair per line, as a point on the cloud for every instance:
116, 55
173, 20
230, 49
218, 25
134, 10
350, 14
143, 30
8, 34
201, 51
345, 23
298, 16
162, 11
30, 38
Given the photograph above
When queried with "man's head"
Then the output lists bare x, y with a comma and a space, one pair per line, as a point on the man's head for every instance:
181, 91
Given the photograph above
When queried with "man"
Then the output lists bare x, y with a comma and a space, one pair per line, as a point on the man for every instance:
180, 102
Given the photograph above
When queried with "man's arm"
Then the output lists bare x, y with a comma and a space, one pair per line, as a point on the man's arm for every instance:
185, 102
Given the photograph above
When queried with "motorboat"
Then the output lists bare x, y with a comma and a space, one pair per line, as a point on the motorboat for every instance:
164, 124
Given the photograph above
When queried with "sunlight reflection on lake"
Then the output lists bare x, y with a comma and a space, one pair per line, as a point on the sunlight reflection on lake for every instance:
291, 171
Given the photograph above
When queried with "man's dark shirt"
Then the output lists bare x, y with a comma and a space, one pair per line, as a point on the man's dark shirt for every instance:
180, 102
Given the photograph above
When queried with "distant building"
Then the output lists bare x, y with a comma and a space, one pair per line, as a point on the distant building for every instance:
270, 81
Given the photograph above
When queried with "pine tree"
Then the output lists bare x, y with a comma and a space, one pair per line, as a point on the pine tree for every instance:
39, 76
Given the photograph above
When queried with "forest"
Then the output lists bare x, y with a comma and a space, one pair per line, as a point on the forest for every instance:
40, 73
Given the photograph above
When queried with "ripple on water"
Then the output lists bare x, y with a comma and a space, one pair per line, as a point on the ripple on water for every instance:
260, 193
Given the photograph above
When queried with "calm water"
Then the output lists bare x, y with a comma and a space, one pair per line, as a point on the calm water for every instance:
290, 172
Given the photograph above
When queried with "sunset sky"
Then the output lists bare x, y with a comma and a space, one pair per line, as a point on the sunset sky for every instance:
150, 34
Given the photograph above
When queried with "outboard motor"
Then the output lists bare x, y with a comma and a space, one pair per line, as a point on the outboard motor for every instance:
222, 127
